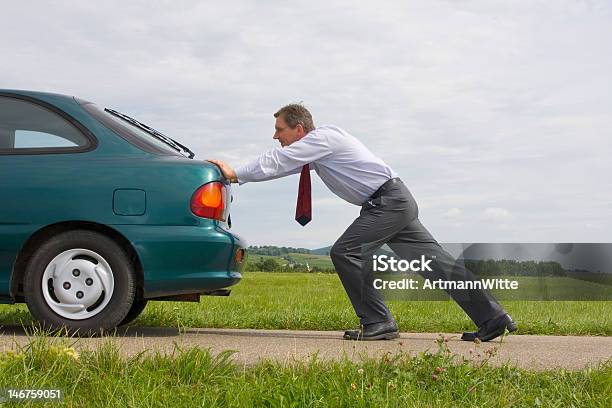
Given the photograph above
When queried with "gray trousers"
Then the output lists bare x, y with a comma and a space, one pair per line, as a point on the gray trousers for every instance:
392, 218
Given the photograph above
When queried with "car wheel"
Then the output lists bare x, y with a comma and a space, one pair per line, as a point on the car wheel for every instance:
137, 308
79, 280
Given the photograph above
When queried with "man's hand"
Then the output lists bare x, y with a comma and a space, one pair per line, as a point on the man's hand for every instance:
227, 171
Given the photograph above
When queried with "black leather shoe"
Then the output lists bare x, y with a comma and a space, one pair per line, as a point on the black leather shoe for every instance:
376, 331
491, 329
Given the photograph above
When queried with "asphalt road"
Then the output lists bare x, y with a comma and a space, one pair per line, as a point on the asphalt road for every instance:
530, 352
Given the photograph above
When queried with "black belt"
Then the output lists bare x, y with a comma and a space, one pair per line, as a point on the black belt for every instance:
385, 187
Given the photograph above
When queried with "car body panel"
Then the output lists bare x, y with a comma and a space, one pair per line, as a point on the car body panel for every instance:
187, 259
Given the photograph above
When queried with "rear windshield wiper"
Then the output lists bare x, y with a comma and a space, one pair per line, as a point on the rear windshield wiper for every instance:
158, 135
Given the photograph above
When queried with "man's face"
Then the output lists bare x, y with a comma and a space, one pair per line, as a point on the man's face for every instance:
285, 134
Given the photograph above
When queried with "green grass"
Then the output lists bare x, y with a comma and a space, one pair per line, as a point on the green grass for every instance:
194, 377
318, 302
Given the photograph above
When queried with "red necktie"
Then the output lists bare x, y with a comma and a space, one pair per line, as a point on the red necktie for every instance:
303, 210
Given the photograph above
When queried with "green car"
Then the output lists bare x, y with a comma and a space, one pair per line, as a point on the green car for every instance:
100, 213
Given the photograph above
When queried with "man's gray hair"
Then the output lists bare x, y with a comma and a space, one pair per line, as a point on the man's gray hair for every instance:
294, 114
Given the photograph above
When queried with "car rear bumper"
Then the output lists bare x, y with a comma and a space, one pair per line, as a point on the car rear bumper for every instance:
185, 259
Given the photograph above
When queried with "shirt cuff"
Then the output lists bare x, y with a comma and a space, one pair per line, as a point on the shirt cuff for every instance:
240, 175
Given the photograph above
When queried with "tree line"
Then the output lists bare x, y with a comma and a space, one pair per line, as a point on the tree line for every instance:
262, 264
490, 267
480, 268
275, 251
487, 268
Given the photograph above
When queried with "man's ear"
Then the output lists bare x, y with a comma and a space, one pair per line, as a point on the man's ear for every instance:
300, 130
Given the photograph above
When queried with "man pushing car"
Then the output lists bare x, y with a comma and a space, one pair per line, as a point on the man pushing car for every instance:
389, 215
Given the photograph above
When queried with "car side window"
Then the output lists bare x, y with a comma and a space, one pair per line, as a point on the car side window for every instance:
25, 126
31, 139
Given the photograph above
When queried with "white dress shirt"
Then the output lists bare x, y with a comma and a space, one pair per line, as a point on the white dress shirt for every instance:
345, 165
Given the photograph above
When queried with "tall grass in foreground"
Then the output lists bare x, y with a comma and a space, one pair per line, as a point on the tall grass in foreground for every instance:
194, 377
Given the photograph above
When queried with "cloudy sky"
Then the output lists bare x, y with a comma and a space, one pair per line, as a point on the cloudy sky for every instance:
496, 114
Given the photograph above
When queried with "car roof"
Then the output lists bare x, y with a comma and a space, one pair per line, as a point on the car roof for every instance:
73, 107
45, 96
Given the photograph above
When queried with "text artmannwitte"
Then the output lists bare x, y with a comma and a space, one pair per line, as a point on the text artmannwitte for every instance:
384, 263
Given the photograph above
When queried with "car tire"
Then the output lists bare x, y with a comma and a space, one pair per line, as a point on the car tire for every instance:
81, 281
135, 311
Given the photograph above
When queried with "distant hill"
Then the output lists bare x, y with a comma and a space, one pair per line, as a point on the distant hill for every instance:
321, 251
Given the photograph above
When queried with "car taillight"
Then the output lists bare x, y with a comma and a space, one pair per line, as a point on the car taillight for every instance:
209, 201
239, 257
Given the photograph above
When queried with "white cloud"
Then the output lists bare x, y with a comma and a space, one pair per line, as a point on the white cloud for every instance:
453, 213
496, 214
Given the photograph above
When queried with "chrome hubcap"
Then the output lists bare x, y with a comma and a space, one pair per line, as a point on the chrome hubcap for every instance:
77, 284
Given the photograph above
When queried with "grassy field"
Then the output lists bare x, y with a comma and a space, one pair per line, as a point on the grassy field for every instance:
318, 302
322, 261
193, 377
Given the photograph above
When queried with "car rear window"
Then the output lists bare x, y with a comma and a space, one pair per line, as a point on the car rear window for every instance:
128, 131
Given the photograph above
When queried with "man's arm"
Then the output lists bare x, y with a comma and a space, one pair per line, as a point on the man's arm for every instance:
279, 162
230, 174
